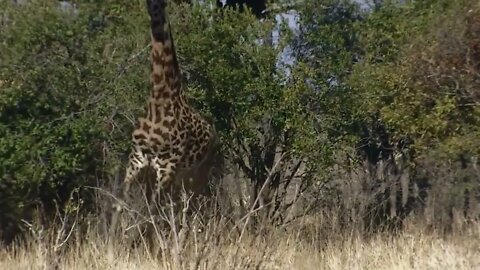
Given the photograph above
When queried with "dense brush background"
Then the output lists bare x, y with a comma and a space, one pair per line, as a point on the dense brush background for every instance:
370, 130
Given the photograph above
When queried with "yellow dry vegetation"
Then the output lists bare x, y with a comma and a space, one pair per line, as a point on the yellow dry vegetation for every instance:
413, 248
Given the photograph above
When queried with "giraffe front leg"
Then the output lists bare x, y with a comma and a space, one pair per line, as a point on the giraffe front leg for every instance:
166, 171
136, 161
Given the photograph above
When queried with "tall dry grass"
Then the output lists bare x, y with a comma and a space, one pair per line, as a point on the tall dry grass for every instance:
409, 250
180, 239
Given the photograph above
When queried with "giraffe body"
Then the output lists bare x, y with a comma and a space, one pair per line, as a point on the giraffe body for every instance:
173, 138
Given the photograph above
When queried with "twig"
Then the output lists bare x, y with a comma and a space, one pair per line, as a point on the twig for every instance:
267, 181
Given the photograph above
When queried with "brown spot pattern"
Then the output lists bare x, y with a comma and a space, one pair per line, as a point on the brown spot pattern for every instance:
181, 141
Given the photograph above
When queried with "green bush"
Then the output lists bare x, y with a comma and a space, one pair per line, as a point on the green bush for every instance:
73, 84
68, 90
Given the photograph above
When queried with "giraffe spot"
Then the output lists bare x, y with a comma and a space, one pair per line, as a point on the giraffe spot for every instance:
168, 106
159, 90
169, 62
139, 136
165, 136
167, 50
155, 141
147, 151
166, 94
176, 151
166, 124
156, 58
145, 127
158, 131
168, 72
163, 156
156, 78
136, 156
169, 113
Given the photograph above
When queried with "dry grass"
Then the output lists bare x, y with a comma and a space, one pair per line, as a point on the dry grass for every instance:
216, 239
213, 248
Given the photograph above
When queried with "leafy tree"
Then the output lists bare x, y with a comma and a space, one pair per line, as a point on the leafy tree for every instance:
232, 72
257, 6
391, 85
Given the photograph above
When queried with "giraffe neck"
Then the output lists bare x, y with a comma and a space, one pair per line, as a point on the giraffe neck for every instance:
165, 72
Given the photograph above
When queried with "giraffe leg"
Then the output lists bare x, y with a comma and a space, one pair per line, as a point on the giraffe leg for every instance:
136, 161
166, 171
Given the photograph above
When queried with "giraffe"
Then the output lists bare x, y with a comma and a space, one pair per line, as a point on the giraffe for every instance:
173, 138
